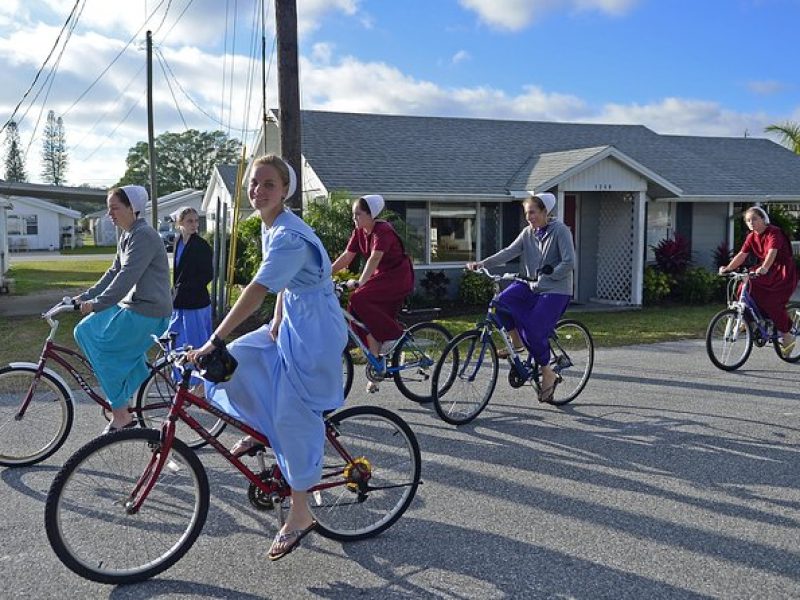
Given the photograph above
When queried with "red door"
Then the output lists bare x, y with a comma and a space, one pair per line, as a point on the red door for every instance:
569, 214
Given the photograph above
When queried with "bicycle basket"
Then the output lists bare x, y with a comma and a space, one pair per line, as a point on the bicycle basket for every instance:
217, 366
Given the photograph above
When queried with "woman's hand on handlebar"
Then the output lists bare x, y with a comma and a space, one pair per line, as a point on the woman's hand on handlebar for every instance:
473, 266
193, 355
352, 283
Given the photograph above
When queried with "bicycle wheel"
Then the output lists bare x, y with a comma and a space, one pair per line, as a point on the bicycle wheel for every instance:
377, 486
46, 423
793, 355
153, 400
470, 363
88, 522
347, 371
729, 340
572, 358
416, 356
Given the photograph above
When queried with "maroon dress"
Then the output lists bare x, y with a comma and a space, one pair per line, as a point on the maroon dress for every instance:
378, 301
773, 290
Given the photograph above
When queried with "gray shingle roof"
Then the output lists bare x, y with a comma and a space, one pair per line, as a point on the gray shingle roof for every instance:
385, 153
228, 175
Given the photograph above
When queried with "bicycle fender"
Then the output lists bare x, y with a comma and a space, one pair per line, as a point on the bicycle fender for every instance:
50, 372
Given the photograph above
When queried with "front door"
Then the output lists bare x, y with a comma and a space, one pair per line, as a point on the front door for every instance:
570, 220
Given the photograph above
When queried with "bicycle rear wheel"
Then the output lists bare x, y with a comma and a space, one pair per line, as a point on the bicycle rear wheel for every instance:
793, 355
572, 358
469, 363
729, 340
28, 439
88, 522
347, 371
416, 356
153, 401
373, 490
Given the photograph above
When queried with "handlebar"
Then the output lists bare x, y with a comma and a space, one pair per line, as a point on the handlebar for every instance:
504, 277
740, 275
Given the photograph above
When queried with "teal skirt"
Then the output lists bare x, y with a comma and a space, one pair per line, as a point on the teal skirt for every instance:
116, 341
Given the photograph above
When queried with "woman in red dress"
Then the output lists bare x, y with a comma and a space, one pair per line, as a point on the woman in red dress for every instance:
778, 274
386, 280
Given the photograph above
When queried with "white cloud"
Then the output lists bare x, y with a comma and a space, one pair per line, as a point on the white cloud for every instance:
460, 56
766, 87
515, 15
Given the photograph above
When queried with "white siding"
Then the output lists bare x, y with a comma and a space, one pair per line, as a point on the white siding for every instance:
709, 229
609, 175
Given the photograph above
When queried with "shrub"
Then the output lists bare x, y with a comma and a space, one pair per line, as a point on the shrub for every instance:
657, 285
673, 256
475, 289
697, 286
722, 255
435, 285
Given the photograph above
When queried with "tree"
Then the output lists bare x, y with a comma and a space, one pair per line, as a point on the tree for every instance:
184, 159
789, 133
15, 162
54, 151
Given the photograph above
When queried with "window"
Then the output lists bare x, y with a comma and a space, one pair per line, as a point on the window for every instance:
659, 225
416, 224
22, 224
490, 229
14, 224
453, 232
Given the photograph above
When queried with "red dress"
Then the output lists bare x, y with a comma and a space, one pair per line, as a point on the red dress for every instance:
773, 290
378, 301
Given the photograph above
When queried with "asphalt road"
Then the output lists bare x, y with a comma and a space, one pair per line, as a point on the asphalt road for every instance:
666, 478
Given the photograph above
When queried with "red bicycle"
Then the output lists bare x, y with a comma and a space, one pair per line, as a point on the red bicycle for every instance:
130, 504
37, 404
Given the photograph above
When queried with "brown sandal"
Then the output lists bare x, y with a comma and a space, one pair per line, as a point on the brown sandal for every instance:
290, 540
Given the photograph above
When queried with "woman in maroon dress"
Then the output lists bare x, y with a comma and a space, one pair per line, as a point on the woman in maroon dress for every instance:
386, 280
777, 272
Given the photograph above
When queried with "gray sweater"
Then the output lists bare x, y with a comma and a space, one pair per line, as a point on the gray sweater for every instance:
139, 277
555, 249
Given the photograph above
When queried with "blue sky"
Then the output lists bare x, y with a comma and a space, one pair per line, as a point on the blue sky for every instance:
696, 67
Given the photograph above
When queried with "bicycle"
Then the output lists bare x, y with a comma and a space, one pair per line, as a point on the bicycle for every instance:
732, 332
469, 365
410, 362
129, 505
37, 404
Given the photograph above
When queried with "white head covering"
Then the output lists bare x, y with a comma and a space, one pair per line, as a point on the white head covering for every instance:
175, 215
292, 180
760, 211
137, 196
375, 203
548, 199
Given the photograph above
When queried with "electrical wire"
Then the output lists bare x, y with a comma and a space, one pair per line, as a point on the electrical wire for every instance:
172, 93
113, 131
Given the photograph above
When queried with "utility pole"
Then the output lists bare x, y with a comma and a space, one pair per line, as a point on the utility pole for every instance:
151, 143
289, 93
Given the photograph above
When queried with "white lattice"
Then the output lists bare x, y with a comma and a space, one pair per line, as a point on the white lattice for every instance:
615, 249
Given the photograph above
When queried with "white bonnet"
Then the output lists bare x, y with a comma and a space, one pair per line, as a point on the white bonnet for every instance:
548, 199
137, 196
292, 180
761, 212
375, 203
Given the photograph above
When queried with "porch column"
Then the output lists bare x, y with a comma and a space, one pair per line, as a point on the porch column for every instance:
559, 210
729, 228
639, 226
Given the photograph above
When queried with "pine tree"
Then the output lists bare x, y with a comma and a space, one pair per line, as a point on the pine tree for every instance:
15, 162
54, 151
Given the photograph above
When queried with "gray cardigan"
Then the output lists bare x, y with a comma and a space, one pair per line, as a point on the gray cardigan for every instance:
138, 279
555, 249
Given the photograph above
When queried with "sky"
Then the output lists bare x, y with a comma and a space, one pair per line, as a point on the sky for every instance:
689, 67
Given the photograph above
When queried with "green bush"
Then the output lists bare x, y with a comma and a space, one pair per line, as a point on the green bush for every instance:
657, 285
475, 289
435, 285
697, 286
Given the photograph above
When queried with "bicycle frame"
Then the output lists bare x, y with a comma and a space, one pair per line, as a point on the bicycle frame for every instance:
744, 303
184, 397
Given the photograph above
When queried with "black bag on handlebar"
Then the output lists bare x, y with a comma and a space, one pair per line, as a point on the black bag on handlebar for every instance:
217, 366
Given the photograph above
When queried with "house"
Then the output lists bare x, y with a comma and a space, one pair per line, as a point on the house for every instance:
620, 188
35, 224
5, 205
217, 203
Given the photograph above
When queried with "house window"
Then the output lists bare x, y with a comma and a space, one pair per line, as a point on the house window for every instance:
659, 225
416, 225
31, 224
14, 225
22, 224
453, 232
490, 229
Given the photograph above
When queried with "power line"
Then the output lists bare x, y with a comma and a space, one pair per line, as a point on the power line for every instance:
172, 93
111, 134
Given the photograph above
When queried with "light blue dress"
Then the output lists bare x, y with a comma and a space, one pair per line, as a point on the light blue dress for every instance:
282, 387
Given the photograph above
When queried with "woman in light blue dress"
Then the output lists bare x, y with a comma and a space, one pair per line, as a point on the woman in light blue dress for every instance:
290, 369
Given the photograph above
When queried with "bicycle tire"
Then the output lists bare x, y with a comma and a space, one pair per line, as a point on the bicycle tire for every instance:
460, 403
86, 519
47, 420
421, 346
153, 401
347, 371
572, 358
720, 345
794, 353
381, 444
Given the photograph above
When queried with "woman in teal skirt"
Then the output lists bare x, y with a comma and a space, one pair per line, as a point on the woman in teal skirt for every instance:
128, 304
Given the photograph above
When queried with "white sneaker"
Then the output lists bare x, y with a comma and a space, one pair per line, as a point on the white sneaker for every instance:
388, 346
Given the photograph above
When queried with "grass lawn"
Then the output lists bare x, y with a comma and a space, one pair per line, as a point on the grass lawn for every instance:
83, 250
35, 276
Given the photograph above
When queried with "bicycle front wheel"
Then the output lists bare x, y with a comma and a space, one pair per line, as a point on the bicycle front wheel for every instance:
370, 473
416, 356
29, 438
793, 354
88, 518
572, 359
469, 364
153, 401
729, 340
347, 371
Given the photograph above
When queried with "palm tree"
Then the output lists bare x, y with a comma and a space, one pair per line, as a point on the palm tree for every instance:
789, 133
